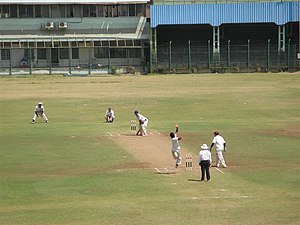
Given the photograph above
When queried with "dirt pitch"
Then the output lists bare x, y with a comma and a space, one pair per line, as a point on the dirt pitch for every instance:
153, 151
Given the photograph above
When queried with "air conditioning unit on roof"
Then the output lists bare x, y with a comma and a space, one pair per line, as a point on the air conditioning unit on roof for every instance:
49, 25
63, 25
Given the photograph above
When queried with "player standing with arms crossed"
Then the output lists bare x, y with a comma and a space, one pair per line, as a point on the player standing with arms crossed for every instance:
176, 153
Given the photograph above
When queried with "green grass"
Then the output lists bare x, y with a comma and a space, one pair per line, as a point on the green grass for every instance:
67, 172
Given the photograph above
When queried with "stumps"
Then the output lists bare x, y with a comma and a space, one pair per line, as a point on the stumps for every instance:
188, 162
133, 125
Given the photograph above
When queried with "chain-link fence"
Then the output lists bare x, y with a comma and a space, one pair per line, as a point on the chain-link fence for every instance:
173, 2
71, 61
189, 58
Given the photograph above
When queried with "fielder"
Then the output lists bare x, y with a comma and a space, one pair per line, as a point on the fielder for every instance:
176, 153
109, 115
143, 122
39, 111
219, 141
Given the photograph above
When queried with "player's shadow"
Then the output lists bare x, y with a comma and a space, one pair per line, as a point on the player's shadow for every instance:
194, 180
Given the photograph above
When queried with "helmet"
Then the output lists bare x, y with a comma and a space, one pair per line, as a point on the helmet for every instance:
40, 103
136, 112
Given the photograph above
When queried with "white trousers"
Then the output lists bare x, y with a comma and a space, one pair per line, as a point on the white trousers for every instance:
42, 115
220, 159
177, 156
143, 128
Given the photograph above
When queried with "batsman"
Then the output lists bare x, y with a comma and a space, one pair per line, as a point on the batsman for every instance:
176, 153
143, 121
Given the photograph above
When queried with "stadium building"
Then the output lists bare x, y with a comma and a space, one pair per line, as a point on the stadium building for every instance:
224, 35
73, 34
177, 36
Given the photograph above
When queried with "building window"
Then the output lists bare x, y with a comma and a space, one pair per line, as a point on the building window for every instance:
118, 53
5, 54
70, 11
26, 54
64, 53
101, 53
25, 11
41, 53
77, 10
93, 11
115, 11
123, 10
86, 10
140, 10
134, 53
13, 11
4, 11
54, 11
108, 11
131, 10
45, 11
38, 11
75, 53
89, 11
100, 11
62, 11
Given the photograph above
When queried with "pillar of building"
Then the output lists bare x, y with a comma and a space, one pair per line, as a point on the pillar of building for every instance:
216, 43
281, 38
153, 48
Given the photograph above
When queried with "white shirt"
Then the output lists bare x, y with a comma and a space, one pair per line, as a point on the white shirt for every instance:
110, 113
142, 118
219, 142
175, 144
39, 110
204, 155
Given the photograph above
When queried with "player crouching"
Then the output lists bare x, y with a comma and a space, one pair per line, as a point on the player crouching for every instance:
109, 115
39, 111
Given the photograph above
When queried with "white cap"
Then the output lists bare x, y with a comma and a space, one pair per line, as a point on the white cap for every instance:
40, 103
204, 147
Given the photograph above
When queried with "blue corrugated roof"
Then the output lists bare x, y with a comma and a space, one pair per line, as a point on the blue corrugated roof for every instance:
217, 14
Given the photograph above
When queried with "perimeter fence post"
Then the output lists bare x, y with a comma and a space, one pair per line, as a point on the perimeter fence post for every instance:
248, 57
89, 67
190, 57
288, 55
268, 56
228, 53
50, 61
70, 56
30, 61
208, 55
170, 56
10, 63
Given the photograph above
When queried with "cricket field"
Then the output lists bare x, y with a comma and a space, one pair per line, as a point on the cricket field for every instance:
79, 170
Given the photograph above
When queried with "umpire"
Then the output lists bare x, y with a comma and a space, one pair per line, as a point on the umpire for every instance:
205, 161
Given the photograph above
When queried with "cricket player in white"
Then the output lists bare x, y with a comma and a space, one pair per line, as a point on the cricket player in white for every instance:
39, 111
176, 153
219, 141
109, 115
143, 121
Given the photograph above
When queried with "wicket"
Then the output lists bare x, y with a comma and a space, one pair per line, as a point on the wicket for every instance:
133, 125
188, 162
